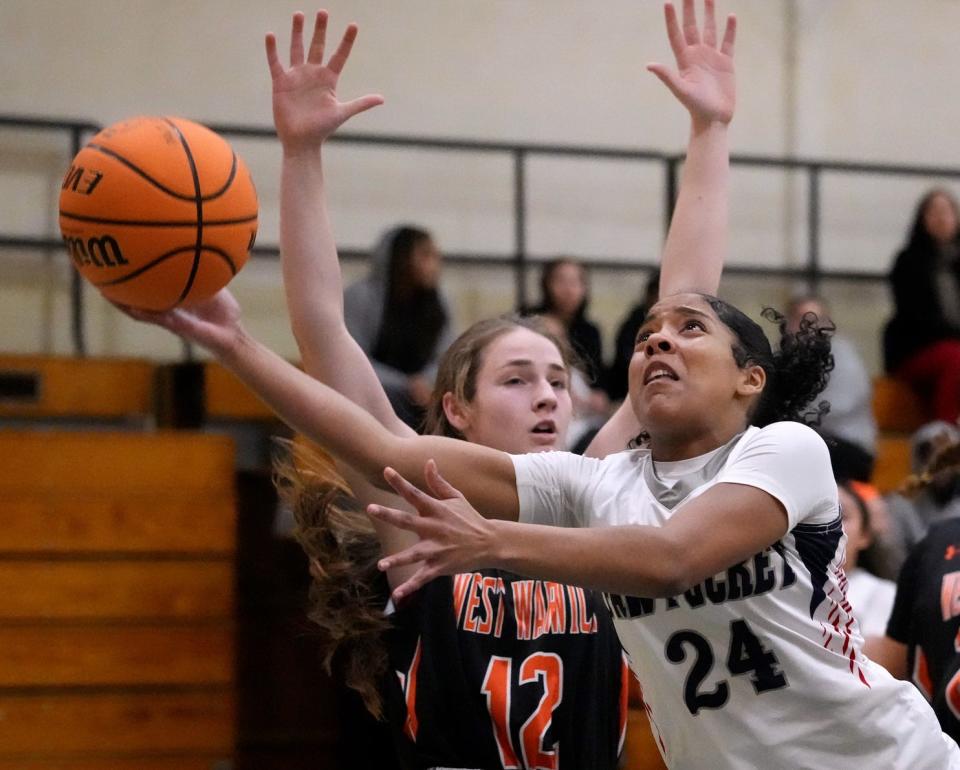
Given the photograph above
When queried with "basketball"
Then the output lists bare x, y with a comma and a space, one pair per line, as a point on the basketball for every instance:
158, 212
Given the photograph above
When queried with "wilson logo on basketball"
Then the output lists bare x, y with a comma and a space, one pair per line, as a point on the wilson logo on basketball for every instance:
102, 252
81, 180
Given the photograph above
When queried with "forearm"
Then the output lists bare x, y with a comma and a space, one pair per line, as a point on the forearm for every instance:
314, 288
697, 241
351, 434
632, 560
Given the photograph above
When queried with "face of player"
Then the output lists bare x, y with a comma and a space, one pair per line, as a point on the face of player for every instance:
940, 218
522, 401
858, 537
567, 288
425, 262
684, 380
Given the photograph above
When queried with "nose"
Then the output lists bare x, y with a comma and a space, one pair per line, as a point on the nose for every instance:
657, 342
545, 397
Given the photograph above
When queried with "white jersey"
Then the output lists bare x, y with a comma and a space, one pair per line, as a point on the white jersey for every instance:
760, 666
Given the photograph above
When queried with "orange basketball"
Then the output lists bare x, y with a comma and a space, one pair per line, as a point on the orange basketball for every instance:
158, 212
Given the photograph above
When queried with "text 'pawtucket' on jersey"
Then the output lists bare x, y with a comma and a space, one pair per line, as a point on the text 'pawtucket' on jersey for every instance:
482, 604
765, 572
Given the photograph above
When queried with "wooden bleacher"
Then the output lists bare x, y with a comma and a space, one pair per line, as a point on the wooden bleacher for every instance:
116, 600
45, 387
899, 411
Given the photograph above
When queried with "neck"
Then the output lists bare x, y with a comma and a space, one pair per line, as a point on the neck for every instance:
670, 447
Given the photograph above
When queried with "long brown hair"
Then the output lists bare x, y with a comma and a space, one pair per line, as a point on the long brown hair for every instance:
348, 592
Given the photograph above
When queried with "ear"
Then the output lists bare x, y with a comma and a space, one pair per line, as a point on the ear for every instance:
457, 414
752, 381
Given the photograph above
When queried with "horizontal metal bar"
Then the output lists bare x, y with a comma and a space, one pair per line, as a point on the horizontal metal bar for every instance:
495, 260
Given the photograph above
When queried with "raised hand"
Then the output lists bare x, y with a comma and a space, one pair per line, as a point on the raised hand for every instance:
305, 106
213, 323
453, 536
703, 80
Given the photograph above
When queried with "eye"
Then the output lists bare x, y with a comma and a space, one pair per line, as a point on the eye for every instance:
559, 384
693, 324
642, 337
513, 381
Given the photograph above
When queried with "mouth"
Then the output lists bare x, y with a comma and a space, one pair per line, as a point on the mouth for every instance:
658, 371
545, 430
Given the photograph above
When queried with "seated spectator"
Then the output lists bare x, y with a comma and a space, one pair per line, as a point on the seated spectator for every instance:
564, 296
936, 500
400, 318
922, 340
849, 427
920, 643
627, 338
871, 597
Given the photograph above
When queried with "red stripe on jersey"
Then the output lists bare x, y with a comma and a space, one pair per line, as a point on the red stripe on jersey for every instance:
411, 726
625, 675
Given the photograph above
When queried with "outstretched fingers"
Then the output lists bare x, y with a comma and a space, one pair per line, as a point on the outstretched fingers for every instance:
273, 60
438, 485
674, 33
413, 584
690, 32
340, 56
362, 104
709, 24
729, 36
296, 40
319, 39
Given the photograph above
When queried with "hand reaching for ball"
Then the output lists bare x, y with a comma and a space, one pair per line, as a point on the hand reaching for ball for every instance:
305, 106
213, 323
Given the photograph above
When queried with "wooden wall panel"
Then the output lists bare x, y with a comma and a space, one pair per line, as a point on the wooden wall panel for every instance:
57, 523
79, 387
72, 724
181, 762
115, 465
72, 590
96, 656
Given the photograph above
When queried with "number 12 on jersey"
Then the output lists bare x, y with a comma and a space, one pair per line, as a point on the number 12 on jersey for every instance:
545, 667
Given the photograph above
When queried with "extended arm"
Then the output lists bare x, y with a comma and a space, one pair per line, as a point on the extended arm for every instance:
306, 112
696, 244
346, 430
636, 560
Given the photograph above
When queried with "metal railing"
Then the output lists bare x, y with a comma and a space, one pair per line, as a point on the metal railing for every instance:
520, 153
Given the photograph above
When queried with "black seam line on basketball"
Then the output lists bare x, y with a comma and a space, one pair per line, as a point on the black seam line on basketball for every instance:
226, 186
143, 268
199, 201
157, 223
222, 254
160, 186
162, 258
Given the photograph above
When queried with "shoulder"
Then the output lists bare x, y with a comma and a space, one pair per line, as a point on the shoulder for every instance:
786, 436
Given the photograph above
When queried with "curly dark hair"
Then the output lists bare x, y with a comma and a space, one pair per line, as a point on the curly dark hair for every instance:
797, 372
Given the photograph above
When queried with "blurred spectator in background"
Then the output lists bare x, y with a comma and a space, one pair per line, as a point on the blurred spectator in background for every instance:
871, 596
921, 639
400, 318
937, 499
627, 338
564, 296
922, 341
849, 427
